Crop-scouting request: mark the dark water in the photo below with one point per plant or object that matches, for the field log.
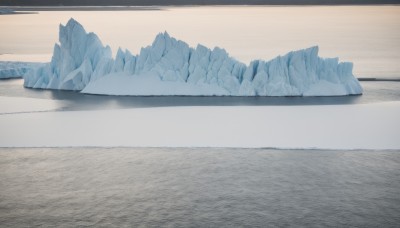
(373, 92)
(199, 187)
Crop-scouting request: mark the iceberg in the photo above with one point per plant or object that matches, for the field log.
(170, 67)
(9, 69)
(78, 58)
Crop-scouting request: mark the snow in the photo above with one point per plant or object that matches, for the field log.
(81, 62)
(12, 105)
(364, 126)
(10, 69)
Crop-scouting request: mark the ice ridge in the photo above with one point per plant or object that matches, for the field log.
(81, 62)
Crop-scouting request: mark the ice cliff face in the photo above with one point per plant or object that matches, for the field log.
(78, 58)
(81, 62)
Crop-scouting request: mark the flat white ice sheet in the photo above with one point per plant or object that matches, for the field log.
(364, 126)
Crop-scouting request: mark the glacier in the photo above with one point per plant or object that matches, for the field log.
(170, 67)
(11, 69)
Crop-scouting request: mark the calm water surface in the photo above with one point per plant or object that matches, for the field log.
(203, 187)
(374, 92)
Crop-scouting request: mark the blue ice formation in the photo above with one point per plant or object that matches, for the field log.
(81, 62)
(79, 58)
(10, 69)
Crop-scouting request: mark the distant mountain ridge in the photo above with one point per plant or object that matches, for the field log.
(187, 2)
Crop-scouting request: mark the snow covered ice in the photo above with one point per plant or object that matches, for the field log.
(305, 127)
(170, 67)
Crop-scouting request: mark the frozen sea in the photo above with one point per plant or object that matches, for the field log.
(193, 186)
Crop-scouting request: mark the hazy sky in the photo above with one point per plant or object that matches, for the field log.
(186, 2)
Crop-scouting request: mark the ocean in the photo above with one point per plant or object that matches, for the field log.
(198, 187)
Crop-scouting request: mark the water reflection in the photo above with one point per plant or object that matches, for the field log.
(84, 101)
(373, 92)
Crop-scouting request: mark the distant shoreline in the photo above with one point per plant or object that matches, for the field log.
(18, 9)
(379, 79)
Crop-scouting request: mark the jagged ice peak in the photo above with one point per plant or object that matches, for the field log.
(170, 67)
